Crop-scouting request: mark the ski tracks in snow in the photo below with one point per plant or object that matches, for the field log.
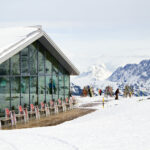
(31, 140)
(9, 145)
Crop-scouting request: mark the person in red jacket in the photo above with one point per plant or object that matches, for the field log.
(100, 92)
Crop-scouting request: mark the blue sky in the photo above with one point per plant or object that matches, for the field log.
(114, 32)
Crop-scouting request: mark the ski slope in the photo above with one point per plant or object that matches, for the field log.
(120, 125)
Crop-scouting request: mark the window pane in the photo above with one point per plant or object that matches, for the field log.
(4, 94)
(66, 85)
(55, 68)
(15, 68)
(15, 92)
(41, 89)
(48, 68)
(48, 88)
(41, 61)
(33, 59)
(25, 91)
(24, 62)
(55, 87)
(61, 86)
(33, 90)
(4, 68)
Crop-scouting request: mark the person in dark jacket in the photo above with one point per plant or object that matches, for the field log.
(50, 86)
(116, 94)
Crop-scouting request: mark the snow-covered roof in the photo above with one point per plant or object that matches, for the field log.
(13, 40)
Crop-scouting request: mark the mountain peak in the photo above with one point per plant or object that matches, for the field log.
(94, 73)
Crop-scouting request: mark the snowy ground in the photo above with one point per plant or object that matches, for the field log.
(120, 125)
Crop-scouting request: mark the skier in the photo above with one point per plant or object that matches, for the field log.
(116, 94)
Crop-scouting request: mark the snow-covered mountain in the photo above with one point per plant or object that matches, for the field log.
(92, 75)
(136, 75)
(132, 72)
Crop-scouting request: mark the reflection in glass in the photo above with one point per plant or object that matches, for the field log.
(66, 77)
(61, 86)
(4, 68)
(15, 69)
(41, 61)
(48, 66)
(24, 62)
(25, 91)
(33, 90)
(41, 89)
(15, 92)
(4, 94)
(33, 59)
(48, 88)
(55, 86)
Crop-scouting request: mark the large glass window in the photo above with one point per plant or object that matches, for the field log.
(4, 94)
(15, 92)
(66, 85)
(33, 90)
(41, 61)
(55, 82)
(4, 68)
(49, 88)
(61, 86)
(48, 66)
(41, 88)
(33, 59)
(24, 61)
(25, 91)
(15, 65)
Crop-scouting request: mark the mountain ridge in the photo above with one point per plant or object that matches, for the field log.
(135, 75)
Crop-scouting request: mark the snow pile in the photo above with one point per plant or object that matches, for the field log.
(122, 124)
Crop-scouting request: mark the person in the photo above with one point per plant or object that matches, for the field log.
(100, 92)
(54, 87)
(84, 91)
(50, 87)
(116, 94)
(89, 90)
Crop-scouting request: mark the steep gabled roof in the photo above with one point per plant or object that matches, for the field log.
(13, 40)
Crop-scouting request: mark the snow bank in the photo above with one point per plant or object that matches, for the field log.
(120, 125)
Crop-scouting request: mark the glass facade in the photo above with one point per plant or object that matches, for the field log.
(31, 76)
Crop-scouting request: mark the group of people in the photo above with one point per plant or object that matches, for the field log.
(128, 91)
(108, 91)
(87, 90)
